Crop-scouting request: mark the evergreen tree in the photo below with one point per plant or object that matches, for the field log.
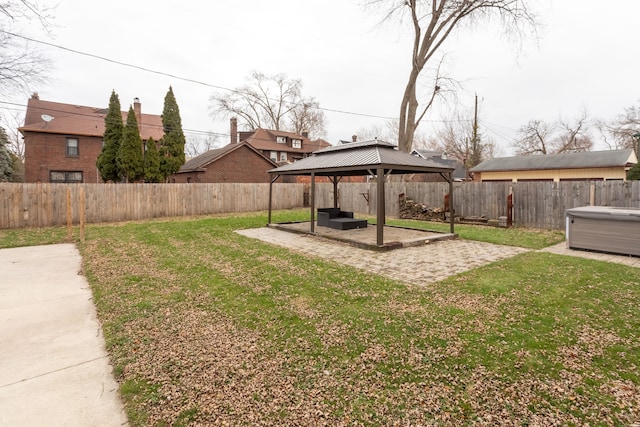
(634, 172)
(152, 162)
(6, 162)
(113, 133)
(172, 143)
(129, 159)
(18, 168)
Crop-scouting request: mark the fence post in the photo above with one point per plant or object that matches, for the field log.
(69, 215)
(82, 213)
(510, 208)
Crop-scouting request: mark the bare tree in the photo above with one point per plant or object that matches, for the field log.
(534, 138)
(200, 144)
(433, 21)
(271, 102)
(620, 132)
(308, 117)
(561, 136)
(11, 123)
(388, 132)
(462, 140)
(574, 136)
(20, 64)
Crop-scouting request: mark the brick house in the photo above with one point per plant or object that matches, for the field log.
(62, 141)
(280, 146)
(232, 163)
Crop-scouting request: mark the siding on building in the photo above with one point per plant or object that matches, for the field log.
(556, 175)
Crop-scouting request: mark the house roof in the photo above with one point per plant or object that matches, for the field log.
(360, 158)
(427, 154)
(460, 172)
(79, 120)
(265, 139)
(199, 163)
(590, 159)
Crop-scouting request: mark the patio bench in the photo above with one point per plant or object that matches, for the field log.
(340, 220)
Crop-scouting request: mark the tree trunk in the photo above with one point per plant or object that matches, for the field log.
(408, 112)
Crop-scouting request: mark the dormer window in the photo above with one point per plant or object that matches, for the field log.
(296, 143)
(281, 139)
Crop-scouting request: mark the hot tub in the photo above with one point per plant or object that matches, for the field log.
(604, 229)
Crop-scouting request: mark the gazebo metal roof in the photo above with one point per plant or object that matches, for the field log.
(360, 158)
(373, 157)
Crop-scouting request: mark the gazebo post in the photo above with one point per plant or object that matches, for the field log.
(270, 195)
(313, 201)
(451, 215)
(335, 191)
(380, 208)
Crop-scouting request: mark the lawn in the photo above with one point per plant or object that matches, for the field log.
(207, 327)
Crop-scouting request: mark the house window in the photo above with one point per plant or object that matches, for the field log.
(65, 176)
(296, 143)
(283, 156)
(273, 156)
(72, 147)
(281, 139)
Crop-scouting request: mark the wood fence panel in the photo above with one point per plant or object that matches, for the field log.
(44, 205)
(536, 204)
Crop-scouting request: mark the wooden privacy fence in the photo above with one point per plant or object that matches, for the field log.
(535, 204)
(44, 205)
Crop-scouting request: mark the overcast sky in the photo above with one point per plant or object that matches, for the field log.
(587, 55)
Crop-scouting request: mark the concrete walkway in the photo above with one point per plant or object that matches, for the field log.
(54, 370)
(418, 265)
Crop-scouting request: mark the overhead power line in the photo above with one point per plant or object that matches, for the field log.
(162, 73)
(86, 116)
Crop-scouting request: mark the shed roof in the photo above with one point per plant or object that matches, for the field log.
(590, 159)
(360, 158)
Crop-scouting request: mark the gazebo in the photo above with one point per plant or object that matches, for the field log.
(367, 158)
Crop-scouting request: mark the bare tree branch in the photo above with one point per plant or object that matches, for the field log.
(433, 21)
(574, 135)
(272, 102)
(456, 138)
(20, 64)
(622, 129)
(11, 123)
(196, 145)
(562, 136)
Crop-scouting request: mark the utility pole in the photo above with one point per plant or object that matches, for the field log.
(475, 122)
(474, 157)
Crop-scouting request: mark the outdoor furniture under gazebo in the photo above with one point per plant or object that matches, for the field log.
(367, 158)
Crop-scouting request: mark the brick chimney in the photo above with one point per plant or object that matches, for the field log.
(305, 134)
(234, 130)
(137, 108)
(354, 138)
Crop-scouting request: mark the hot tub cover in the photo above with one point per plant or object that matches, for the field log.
(605, 212)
